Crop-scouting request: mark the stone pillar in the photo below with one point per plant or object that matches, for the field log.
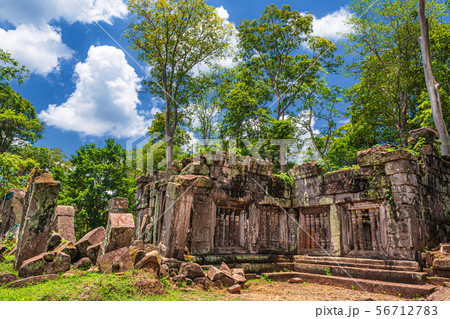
(119, 232)
(180, 223)
(335, 231)
(64, 222)
(38, 216)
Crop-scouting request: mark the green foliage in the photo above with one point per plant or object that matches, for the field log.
(14, 171)
(272, 73)
(173, 37)
(18, 119)
(328, 272)
(97, 174)
(388, 67)
(288, 180)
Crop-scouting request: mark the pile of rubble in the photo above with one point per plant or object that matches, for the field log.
(46, 244)
(205, 276)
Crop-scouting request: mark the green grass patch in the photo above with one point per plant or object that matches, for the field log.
(132, 285)
(7, 265)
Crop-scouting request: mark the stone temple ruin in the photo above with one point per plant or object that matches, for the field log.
(381, 222)
(391, 207)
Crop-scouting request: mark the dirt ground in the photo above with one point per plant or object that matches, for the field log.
(281, 291)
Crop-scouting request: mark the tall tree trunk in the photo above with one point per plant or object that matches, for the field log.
(432, 85)
(169, 153)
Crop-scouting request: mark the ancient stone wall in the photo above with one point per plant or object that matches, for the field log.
(392, 205)
(218, 204)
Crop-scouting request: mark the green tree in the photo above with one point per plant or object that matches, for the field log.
(18, 120)
(14, 171)
(432, 85)
(270, 44)
(97, 174)
(152, 157)
(173, 37)
(388, 67)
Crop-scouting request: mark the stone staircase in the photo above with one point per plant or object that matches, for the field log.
(394, 277)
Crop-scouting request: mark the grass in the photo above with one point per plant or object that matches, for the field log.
(7, 265)
(132, 285)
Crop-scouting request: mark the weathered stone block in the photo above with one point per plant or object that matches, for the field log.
(119, 232)
(68, 248)
(39, 213)
(93, 251)
(117, 205)
(151, 262)
(401, 166)
(442, 263)
(64, 222)
(196, 169)
(115, 261)
(94, 237)
(48, 263)
(191, 270)
(215, 274)
(404, 179)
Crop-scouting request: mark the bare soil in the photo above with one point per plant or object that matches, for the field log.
(281, 291)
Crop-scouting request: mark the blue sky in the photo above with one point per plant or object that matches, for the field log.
(83, 76)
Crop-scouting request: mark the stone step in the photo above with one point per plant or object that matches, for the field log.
(370, 286)
(407, 277)
(404, 265)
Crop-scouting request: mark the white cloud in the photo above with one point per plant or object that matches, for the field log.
(332, 26)
(40, 12)
(222, 13)
(38, 45)
(105, 98)
(39, 49)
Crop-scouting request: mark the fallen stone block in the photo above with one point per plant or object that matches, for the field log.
(224, 267)
(68, 248)
(39, 213)
(31, 280)
(64, 222)
(93, 251)
(235, 289)
(94, 237)
(115, 261)
(215, 274)
(238, 271)
(150, 263)
(55, 241)
(178, 278)
(6, 278)
(203, 281)
(137, 251)
(48, 263)
(239, 279)
(191, 270)
(119, 232)
(164, 271)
